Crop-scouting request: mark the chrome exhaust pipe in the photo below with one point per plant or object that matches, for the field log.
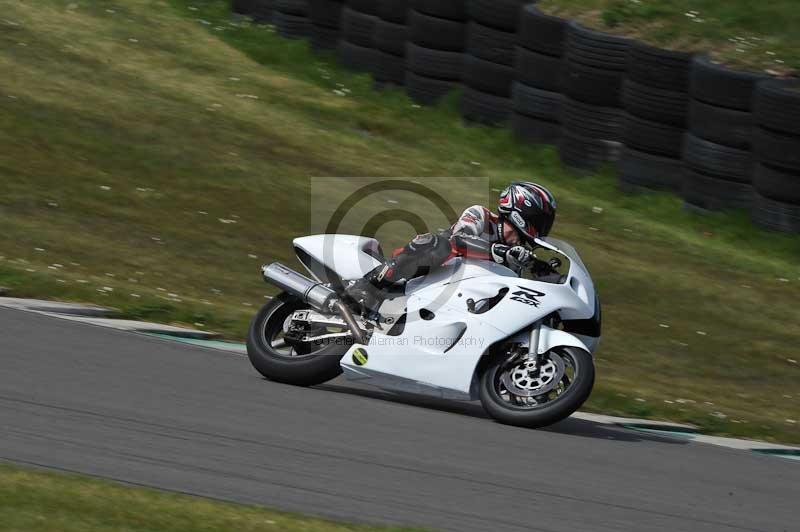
(312, 293)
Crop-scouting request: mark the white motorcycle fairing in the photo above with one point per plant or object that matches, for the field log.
(437, 340)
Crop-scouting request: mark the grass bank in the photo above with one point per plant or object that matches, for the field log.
(156, 153)
(37, 501)
(742, 33)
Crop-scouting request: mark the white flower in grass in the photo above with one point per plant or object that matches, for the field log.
(133, 40)
(52, 268)
(30, 270)
(791, 361)
(105, 187)
(702, 333)
(83, 281)
(251, 256)
(593, 228)
(110, 275)
(170, 294)
(663, 325)
(669, 402)
(161, 289)
(62, 281)
(40, 250)
(202, 212)
(393, 202)
(234, 79)
(198, 324)
(790, 421)
(719, 415)
(136, 295)
(108, 289)
(783, 280)
(597, 210)
(641, 400)
(52, 204)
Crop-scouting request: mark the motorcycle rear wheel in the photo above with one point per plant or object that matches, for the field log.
(571, 391)
(278, 361)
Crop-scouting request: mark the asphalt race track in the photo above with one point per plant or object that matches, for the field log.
(145, 411)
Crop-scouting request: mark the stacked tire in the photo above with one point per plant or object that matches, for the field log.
(291, 18)
(537, 97)
(325, 23)
(356, 49)
(488, 63)
(435, 51)
(592, 115)
(655, 98)
(259, 10)
(391, 34)
(716, 149)
(776, 145)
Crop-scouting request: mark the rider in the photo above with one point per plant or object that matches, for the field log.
(525, 211)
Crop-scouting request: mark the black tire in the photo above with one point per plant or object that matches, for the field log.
(355, 57)
(658, 68)
(639, 171)
(540, 32)
(721, 125)
(652, 137)
(585, 153)
(490, 44)
(500, 14)
(777, 105)
(716, 160)
(395, 11)
(485, 108)
(291, 26)
(776, 215)
(449, 9)
(535, 130)
(777, 149)
(358, 28)
(713, 194)
(326, 13)
(485, 76)
(437, 33)
(435, 64)
(556, 410)
(538, 70)
(390, 69)
(244, 7)
(291, 7)
(593, 85)
(369, 7)
(597, 49)
(428, 91)
(537, 103)
(263, 11)
(658, 105)
(324, 38)
(717, 85)
(391, 38)
(592, 121)
(777, 183)
(303, 370)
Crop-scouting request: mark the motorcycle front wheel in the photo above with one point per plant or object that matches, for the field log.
(535, 393)
(279, 360)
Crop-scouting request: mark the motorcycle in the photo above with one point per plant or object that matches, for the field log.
(472, 329)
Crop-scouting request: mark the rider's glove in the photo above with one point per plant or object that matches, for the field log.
(516, 257)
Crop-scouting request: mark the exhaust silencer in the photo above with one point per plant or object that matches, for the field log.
(311, 292)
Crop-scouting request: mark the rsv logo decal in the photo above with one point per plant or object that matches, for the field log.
(527, 296)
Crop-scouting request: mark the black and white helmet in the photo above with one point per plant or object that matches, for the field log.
(529, 207)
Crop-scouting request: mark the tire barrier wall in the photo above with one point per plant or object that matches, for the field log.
(326, 19)
(720, 138)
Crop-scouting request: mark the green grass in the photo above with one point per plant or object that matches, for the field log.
(745, 34)
(36, 501)
(129, 131)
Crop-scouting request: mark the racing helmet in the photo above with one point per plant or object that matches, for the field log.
(529, 207)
